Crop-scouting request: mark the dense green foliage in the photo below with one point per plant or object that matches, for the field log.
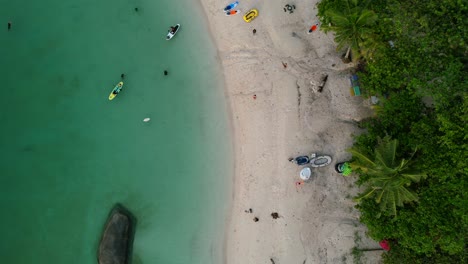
(352, 26)
(386, 177)
(420, 55)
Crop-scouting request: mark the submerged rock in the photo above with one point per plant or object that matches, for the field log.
(117, 239)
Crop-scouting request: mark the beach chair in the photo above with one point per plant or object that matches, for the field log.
(355, 89)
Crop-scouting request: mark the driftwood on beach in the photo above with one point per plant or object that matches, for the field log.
(117, 239)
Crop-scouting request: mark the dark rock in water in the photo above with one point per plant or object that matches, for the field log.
(117, 240)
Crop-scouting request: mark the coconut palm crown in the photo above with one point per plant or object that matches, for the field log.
(386, 177)
(352, 27)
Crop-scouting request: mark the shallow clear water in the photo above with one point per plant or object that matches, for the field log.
(69, 154)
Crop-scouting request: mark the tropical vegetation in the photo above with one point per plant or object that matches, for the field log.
(352, 26)
(385, 176)
(412, 55)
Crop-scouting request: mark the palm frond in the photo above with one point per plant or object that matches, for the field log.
(414, 176)
(362, 156)
(366, 18)
(406, 195)
(387, 151)
(367, 193)
(387, 179)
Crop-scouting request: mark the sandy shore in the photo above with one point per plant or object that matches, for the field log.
(278, 112)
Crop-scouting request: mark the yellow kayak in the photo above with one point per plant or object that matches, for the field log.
(116, 91)
(249, 16)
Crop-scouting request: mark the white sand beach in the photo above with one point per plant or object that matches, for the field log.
(278, 112)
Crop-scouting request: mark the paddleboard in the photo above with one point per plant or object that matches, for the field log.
(115, 91)
(231, 6)
(170, 34)
(232, 12)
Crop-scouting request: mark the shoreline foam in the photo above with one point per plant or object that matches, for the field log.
(277, 112)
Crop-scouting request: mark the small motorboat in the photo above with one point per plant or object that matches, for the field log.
(251, 15)
(301, 160)
(172, 31)
(116, 91)
(314, 160)
(319, 161)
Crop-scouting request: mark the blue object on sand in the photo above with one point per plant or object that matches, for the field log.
(355, 85)
(231, 6)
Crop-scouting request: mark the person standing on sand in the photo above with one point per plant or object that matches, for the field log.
(285, 65)
(254, 31)
(9, 25)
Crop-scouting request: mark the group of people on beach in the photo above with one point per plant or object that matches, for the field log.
(274, 215)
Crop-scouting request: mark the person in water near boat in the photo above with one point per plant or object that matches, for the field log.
(165, 72)
(9, 25)
(122, 76)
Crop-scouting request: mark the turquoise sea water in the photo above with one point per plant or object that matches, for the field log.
(69, 154)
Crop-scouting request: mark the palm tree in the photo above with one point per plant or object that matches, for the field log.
(386, 177)
(352, 27)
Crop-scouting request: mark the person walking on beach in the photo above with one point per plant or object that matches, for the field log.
(285, 65)
(254, 31)
(313, 28)
(298, 185)
(9, 25)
